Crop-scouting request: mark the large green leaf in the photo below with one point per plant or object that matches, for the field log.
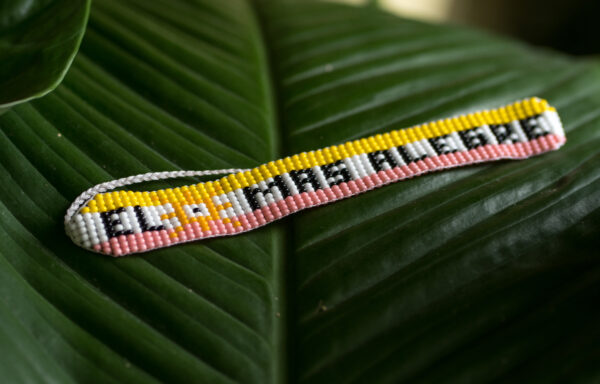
(486, 273)
(38, 42)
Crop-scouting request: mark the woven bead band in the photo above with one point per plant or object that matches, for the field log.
(124, 222)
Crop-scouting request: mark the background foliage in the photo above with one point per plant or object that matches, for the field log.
(38, 41)
(486, 273)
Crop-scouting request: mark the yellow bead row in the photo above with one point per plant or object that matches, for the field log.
(203, 192)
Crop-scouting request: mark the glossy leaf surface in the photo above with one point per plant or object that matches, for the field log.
(485, 273)
(38, 42)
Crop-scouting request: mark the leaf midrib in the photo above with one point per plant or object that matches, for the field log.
(281, 329)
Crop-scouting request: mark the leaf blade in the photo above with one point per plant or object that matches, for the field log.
(40, 40)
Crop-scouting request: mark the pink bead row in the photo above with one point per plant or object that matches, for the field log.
(141, 242)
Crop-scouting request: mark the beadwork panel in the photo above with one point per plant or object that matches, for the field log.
(124, 222)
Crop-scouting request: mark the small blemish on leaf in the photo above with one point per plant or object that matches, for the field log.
(321, 307)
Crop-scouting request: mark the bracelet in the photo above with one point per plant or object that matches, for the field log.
(124, 222)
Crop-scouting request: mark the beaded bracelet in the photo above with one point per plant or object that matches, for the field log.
(124, 222)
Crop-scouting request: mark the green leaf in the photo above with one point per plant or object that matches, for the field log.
(38, 42)
(484, 273)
